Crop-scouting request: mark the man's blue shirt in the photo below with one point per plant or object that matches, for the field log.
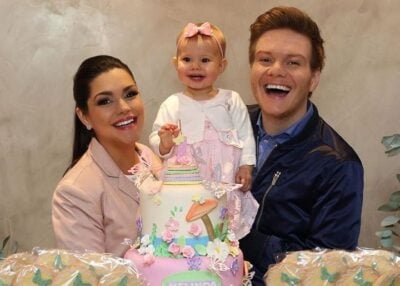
(266, 143)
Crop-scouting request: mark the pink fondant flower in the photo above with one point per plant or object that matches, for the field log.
(148, 259)
(167, 236)
(172, 225)
(188, 251)
(195, 229)
(174, 248)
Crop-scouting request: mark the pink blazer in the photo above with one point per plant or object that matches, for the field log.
(95, 206)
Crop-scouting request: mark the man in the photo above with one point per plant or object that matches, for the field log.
(308, 180)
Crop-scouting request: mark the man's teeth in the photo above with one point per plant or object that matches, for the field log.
(277, 87)
(126, 122)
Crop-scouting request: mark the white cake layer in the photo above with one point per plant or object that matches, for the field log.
(172, 204)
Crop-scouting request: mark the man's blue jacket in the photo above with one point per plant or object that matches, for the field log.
(310, 191)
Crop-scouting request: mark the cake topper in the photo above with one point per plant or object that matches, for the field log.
(183, 155)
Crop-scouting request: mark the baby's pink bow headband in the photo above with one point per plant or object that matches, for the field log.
(205, 29)
(192, 30)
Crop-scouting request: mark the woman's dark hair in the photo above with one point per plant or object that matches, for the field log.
(87, 72)
(293, 19)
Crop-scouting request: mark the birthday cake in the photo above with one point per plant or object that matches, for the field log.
(185, 230)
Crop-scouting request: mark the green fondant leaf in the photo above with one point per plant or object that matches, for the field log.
(58, 262)
(181, 209)
(2, 283)
(328, 277)
(217, 231)
(37, 279)
(181, 241)
(173, 213)
(162, 250)
(224, 233)
(123, 282)
(359, 279)
(200, 249)
(289, 280)
(153, 235)
(78, 281)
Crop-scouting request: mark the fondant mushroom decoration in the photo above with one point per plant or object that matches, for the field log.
(200, 211)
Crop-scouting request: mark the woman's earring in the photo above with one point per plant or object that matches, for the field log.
(88, 127)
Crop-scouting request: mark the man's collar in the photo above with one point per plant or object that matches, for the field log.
(289, 132)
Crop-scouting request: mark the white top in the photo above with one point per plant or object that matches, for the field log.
(226, 111)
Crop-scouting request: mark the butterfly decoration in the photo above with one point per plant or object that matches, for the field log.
(219, 189)
(216, 265)
(234, 267)
(194, 262)
(247, 279)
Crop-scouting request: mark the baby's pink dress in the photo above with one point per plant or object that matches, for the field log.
(219, 162)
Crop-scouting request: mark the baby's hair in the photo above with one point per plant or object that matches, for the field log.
(217, 35)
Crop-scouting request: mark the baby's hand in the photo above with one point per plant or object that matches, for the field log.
(167, 133)
(243, 176)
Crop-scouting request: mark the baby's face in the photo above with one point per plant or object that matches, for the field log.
(199, 63)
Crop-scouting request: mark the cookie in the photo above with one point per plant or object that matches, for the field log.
(391, 278)
(56, 259)
(284, 274)
(341, 257)
(34, 275)
(304, 257)
(16, 261)
(358, 276)
(125, 278)
(7, 277)
(75, 276)
(101, 264)
(326, 273)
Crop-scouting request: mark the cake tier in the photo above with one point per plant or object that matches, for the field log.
(187, 215)
(182, 174)
(169, 271)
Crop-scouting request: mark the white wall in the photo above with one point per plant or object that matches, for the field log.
(43, 42)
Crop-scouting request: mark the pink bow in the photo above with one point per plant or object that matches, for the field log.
(192, 30)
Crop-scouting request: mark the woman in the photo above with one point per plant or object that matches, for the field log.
(95, 205)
